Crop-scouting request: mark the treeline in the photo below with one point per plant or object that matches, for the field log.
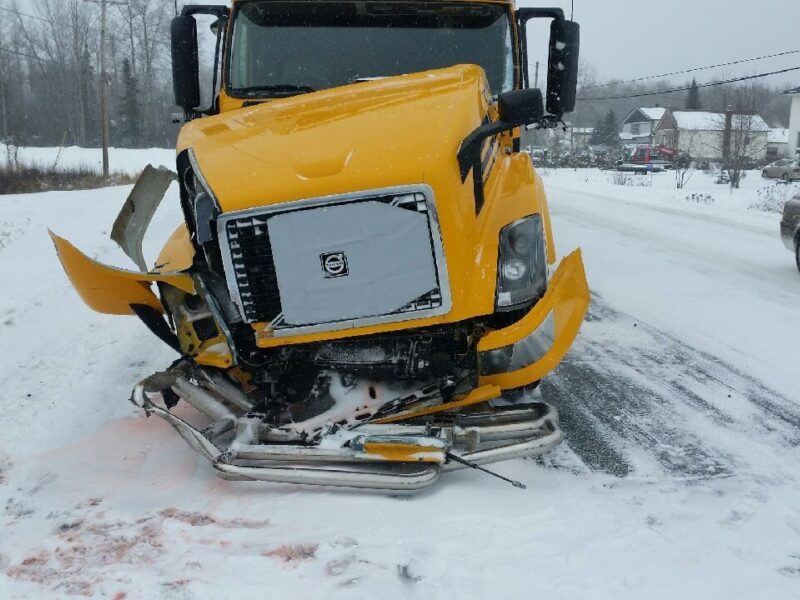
(755, 96)
(49, 73)
(50, 63)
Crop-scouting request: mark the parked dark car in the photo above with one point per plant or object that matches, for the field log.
(790, 227)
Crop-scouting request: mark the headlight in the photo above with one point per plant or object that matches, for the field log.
(522, 265)
(203, 205)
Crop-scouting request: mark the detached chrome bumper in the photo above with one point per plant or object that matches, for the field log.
(510, 432)
(529, 349)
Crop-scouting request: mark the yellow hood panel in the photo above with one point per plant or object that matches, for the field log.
(369, 135)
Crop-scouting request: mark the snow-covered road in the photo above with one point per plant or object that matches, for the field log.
(678, 479)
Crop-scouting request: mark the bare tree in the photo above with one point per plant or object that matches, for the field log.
(744, 134)
(684, 160)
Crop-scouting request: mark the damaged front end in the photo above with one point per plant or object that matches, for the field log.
(371, 339)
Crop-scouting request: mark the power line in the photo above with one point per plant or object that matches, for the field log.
(22, 14)
(686, 88)
(696, 69)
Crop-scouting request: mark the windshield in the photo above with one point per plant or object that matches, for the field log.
(284, 48)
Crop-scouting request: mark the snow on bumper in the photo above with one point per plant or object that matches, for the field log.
(529, 349)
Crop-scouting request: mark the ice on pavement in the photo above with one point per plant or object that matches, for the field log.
(684, 374)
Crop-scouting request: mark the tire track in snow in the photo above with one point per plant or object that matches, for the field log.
(632, 398)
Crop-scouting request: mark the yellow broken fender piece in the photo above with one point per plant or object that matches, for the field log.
(396, 452)
(476, 396)
(111, 290)
(567, 300)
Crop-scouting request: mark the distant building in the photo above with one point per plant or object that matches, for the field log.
(579, 137)
(700, 133)
(794, 122)
(777, 144)
(639, 124)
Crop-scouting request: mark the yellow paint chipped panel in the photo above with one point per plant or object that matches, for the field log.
(476, 396)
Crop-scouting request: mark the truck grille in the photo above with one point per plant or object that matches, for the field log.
(253, 268)
(339, 262)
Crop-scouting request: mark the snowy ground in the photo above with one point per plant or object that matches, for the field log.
(678, 479)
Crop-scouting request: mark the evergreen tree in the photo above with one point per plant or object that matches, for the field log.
(130, 125)
(598, 133)
(610, 129)
(693, 101)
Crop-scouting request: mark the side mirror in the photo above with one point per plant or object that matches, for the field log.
(185, 63)
(562, 71)
(521, 107)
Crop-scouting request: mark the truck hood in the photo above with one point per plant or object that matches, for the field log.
(394, 131)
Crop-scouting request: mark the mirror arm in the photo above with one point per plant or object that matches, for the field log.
(526, 14)
(214, 108)
(218, 10)
(469, 155)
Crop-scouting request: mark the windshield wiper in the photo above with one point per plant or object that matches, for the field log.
(276, 91)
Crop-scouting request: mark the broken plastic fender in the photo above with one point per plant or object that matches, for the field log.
(532, 347)
(111, 290)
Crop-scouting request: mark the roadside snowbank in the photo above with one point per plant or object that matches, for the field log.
(701, 195)
(125, 160)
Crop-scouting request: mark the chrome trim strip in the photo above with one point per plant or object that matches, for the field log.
(436, 240)
(199, 175)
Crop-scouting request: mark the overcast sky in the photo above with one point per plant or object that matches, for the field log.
(634, 38)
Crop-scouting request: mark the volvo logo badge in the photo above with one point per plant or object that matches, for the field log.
(334, 264)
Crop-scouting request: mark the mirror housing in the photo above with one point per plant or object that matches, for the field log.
(185, 63)
(562, 71)
(521, 107)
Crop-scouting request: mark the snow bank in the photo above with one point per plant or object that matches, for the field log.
(754, 203)
(125, 160)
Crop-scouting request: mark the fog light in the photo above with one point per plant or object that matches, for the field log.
(495, 362)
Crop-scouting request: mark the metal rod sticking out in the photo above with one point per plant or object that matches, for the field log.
(477, 467)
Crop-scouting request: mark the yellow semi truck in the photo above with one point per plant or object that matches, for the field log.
(365, 289)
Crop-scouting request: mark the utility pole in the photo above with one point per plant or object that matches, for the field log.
(3, 102)
(104, 126)
(726, 137)
(536, 76)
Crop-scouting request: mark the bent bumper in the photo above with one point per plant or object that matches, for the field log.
(529, 349)
(513, 432)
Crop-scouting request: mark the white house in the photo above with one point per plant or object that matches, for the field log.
(794, 122)
(637, 127)
(700, 133)
(579, 137)
(777, 144)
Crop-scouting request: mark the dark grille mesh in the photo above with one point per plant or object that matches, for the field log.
(254, 269)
